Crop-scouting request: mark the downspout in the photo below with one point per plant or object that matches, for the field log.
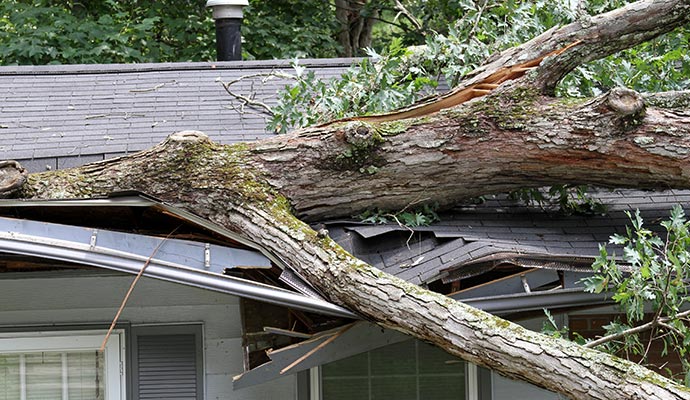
(228, 16)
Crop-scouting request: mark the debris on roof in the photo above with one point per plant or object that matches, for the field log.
(484, 243)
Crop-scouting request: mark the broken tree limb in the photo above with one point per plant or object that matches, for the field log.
(561, 50)
(510, 139)
(218, 183)
(12, 177)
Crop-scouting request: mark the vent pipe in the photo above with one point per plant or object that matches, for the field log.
(228, 17)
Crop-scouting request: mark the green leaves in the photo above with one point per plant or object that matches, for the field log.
(569, 199)
(379, 84)
(290, 28)
(650, 282)
(423, 215)
(53, 32)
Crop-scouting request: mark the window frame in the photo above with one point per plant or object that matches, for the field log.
(311, 389)
(81, 340)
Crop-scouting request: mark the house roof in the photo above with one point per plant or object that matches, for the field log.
(473, 239)
(61, 116)
(499, 255)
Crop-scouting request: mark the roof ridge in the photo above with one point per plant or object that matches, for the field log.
(79, 69)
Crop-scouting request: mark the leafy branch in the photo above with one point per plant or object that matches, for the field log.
(423, 215)
(569, 199)
(653, 280)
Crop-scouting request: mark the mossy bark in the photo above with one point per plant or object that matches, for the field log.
(512, 138)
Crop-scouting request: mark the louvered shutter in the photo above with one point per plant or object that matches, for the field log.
(167, 363)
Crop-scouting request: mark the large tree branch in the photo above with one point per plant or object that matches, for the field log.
(217, 183)
(610, 33)
(558, 51)
(509, 139)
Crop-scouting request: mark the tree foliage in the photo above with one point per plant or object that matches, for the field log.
(65, 32)
(378, 83)
(651, 279)
(401, 75)
(288, 29)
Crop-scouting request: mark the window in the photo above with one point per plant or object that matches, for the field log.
(61, 365)
(409, 370)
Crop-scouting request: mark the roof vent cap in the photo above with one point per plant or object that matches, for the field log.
(227, 8)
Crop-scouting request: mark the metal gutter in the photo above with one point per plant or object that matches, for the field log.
(50, 241)
(137, 199)
(560, 298)
(172, 252)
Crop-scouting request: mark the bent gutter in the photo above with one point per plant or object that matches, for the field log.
(57, 248)
(138, 199)
(518, 302)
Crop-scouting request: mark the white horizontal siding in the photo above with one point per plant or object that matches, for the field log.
(95, 299)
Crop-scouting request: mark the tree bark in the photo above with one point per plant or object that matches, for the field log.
(509, 136)
(355, 28)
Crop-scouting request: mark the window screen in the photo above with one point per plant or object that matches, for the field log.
(409, 370)
(74, 375)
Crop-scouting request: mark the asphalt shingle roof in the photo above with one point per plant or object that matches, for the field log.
(62, 116)
(502, 229)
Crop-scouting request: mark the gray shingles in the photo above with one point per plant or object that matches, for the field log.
(462, 253)
(40, 164)
(96, 108)
(522, 230)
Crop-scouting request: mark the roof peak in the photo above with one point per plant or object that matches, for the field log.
(76, 69)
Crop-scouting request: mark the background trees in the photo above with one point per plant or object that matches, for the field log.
(458, 34)
(70, 32)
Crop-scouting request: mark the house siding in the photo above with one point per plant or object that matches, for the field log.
(80, 300)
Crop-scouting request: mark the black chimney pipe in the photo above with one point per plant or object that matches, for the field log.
(228, 17)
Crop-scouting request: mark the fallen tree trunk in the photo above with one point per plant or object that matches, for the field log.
(510, 139)
(508, 133)
(214, 181)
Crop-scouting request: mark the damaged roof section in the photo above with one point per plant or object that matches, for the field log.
(133, 233)
(130, 231)
(480, 243)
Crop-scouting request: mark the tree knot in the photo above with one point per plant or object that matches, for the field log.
(188, 136)
(360, 134)
(626, 102)
(12, 177)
